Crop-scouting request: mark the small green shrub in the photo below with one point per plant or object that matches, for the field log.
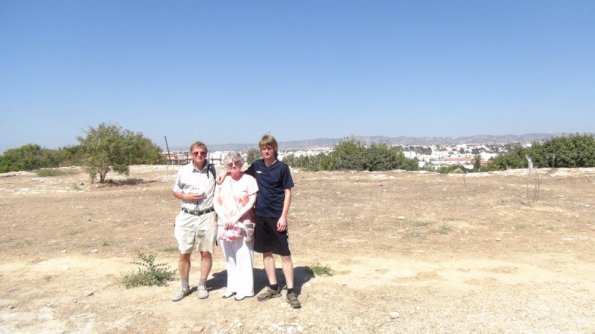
(420, 223)
(443, 229)
(412, 235)
(149, 273)
(51, 172)
(318, 269)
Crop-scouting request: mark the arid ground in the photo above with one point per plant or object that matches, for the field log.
(411, 252)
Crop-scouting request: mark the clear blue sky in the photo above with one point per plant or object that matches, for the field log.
(229, 71)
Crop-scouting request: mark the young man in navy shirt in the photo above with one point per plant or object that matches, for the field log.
(271, 209)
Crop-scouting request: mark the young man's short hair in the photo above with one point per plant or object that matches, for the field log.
(268, 140)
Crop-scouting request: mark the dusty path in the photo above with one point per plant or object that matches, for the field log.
(411, 253)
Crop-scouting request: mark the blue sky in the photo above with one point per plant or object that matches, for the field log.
(229, 71)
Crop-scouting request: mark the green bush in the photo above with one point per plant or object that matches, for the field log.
(318, 269)
(348, 155)
(26, 157)
(453, 169)
(149, 273)
(517, 158)
(352, 155)
(569, 151)
(33, 156)
(560, 152)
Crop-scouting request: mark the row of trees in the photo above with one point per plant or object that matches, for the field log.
(568, 151)
(33, 156)
(352, 155)
(110, 148)
(104, 148)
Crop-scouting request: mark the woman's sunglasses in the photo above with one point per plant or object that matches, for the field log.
(236, 163)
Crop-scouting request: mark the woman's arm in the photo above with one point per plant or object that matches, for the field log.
(247, 207)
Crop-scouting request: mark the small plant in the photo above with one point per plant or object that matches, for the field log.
(443, 229)
(412, 235)
(420, 223)
(50, 172)
(149, 273)
(533, 183)
(74, 232)
(318, 269)
(110, 241)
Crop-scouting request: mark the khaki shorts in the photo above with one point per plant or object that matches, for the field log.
(198, 232)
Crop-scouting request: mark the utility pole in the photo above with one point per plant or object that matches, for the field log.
(167, 147)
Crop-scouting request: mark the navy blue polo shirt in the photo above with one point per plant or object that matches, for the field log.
(272, 182)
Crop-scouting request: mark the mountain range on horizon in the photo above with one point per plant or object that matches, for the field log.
(401, 140)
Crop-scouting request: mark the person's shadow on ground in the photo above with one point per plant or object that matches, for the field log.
(301, 275)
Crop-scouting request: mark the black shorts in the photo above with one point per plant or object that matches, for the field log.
(268, 239)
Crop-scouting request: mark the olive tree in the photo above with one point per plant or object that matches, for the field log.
(110, 148)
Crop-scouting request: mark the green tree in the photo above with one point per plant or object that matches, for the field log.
(348, 155)
(380, 157)
(513, 159)
(110, 148)
(477, 163)
(27, 157)
(405, 163)
(253, 155)
(352, 155)
(70, 155)
(146, 152)
(319, 162)
(567, 151)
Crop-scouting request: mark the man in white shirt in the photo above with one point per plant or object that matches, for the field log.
(195, 225)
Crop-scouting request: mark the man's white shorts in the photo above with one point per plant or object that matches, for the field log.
(198, 232)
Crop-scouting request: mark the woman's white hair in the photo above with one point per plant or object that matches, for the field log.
(234, 156)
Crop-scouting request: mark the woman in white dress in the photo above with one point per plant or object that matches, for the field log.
(233, 202)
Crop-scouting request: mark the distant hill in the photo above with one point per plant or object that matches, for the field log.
(402, 140)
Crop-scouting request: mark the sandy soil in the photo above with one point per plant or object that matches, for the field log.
(411, 252)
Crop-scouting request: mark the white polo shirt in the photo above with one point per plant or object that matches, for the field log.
(190, 180)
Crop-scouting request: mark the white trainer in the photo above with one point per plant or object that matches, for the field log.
(180, 295)
(202, 293)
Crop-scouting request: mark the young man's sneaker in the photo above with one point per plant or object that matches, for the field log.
(180, 295)
(202, 293)
(293, 301)
(268, 294)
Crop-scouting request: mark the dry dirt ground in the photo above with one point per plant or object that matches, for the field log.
(411, 252)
